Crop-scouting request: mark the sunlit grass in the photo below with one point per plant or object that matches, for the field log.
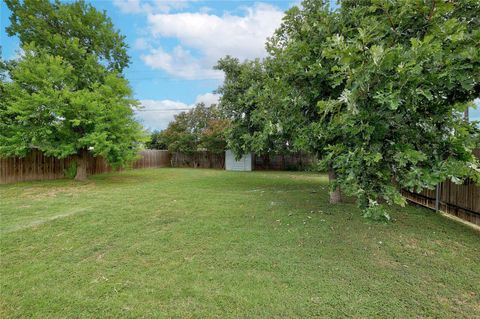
(182, 243)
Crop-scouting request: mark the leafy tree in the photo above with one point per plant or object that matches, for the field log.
(67, 94)
(252, 99)
(3, 67)
(201, 127)
(156, 141)
(213, 138)
(379, 88)
(178, 136)
(405, 81)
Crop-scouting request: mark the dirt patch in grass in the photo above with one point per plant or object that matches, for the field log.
(41, 193)
(383, 260)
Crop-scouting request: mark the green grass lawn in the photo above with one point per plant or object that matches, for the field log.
(185, 243)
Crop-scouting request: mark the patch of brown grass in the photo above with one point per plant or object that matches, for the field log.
(40, 193)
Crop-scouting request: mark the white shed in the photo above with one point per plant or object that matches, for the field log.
(245, 163)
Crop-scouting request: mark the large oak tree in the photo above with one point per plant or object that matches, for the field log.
(379, 88)
(66, 95)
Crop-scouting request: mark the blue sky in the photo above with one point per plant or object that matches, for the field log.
(174, 45)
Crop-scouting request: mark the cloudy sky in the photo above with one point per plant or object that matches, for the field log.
(175, 44)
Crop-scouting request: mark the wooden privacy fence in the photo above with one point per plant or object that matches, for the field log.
(200, 159)
(204, 159)
(294, 161)
(36, 166)
(152, 158)
(461, 200)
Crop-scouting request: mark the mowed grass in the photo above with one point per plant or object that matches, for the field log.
(185, 243)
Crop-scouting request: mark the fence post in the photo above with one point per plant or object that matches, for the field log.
(437, 197)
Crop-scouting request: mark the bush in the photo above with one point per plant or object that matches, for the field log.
(71, 170)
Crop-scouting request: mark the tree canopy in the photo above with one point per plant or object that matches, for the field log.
(76, 31)
(66, 95)
(375, 88)
(253, 97)
(201, 128)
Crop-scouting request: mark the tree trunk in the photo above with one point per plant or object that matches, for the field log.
(466, 115)
(336, 195)
(81, 166)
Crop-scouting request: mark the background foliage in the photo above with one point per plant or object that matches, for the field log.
(202, 128)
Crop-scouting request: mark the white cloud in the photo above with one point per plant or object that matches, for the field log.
(208, 98)
(180, 63)
(156, 114)
(129, 6)
(141, 44)
(212, 36)
(150, 6)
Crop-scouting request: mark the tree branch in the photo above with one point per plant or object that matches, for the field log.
(432, 10)
(390, 20)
